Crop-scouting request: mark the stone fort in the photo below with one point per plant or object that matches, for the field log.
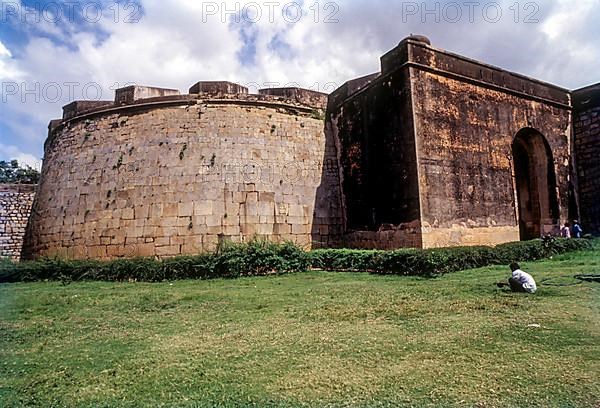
(435, 150)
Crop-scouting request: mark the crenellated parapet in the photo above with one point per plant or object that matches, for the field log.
(135, 96)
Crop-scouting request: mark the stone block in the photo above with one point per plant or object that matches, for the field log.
(186, 209)
(266, 209)
(248, 230)
(77, 108)
(162, 241)
(170, 221)
(217, 88)
(203, 208)
(185, 222)
(264, 229)
(210, 243)
(266, 197)
(170, 210)
(296, 210)
(232, 230)
(193, 248)
(282, 229)
(300, 229)
(266, 219)
(142, 211)
(249, 209)
(167, 251)
(128, 214)
(134, 93)
(146, 250)
(213, 221)
(282, 209)
(115, 251)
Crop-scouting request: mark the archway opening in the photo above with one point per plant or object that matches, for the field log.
(535, 182)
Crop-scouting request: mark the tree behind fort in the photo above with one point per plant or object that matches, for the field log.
(12, 173)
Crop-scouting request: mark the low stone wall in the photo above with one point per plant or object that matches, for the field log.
(15, 207)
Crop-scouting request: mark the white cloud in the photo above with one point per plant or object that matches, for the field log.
(4, 52)
(8, 69)
(568, 15)
(8, 152)
(175, 45)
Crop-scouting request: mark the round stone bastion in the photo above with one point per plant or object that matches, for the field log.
(157, 174)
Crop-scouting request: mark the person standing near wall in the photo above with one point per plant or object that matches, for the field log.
(577, 231)
(565, 231)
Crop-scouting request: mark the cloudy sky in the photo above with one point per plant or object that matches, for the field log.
(54, 52)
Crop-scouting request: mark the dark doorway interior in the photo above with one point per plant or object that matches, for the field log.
(535, 183)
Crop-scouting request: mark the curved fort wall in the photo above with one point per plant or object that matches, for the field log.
(162, 174)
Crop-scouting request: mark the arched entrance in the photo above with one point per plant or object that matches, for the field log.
(535, 180)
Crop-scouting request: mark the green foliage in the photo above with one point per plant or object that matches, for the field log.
(256, 258)
(12, 173)
(318, 114)
(8, 271)
(432, 262)
(261, 258)
(349, 260)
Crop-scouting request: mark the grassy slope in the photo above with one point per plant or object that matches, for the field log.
(315, 339)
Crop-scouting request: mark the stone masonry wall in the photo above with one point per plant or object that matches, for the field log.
(179, 178)
(467, 115)
(465, 135)
(426, 150)
(15, 208)
(377, 154)
(587, 149)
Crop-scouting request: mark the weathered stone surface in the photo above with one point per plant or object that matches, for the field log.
(436, 150)
(586, 103)
(130, 94)
(429, 142)
(465, 134)
(304, 96)
(171, 180)
(15, 207)
(218, 88)
(77, 108)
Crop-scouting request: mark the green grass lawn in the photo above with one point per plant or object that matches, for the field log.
(313, 339)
